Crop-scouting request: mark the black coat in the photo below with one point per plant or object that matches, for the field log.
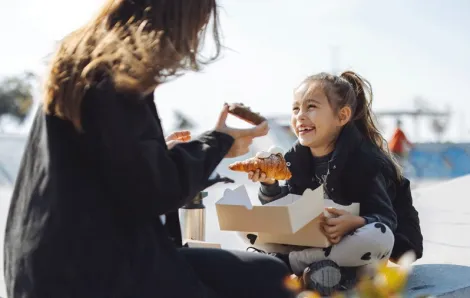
(358, 173)
(84, 216)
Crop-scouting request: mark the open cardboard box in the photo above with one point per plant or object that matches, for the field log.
(292, 219)
(201, 244)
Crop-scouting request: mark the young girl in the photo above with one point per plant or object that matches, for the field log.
(340, 147)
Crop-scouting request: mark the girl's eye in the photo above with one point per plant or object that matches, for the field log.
(295, 109)
(311, 106)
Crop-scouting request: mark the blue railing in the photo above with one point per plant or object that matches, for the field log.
(425, 161)
(429, 160)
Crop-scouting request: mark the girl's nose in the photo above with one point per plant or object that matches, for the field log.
(301, 115)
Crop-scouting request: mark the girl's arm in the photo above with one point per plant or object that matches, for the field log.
(376, 205)
(271, 192)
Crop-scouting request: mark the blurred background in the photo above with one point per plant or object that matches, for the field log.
(414, 53)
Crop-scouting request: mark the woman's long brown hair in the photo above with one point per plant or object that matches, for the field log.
(137, 43)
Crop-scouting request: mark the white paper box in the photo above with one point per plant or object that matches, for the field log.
(292, 219)
(202, 244)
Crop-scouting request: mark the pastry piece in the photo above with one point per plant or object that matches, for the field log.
(245, 113)
(272, 163)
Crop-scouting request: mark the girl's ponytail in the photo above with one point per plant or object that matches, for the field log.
(363, 116)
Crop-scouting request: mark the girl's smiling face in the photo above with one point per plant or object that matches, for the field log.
(314, 121)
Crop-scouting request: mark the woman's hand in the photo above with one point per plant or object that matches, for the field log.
(343, 222)
(243, 137)
(259, 176)
(177, 137)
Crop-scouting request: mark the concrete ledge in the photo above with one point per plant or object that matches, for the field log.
(449, 281)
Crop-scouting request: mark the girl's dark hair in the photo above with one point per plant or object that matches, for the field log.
(137, 43)
(350, 89)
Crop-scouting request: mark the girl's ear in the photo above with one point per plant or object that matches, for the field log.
(344, 115)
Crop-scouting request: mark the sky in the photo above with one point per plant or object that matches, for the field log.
(406, 49)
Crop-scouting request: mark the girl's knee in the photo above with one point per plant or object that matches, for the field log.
(377, 230)
(376, 238)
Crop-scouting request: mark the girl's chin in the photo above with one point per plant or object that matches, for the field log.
(305, 142)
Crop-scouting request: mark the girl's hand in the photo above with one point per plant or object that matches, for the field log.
(177, 137)
(259, 176)
(323, 225)
(243, 137)
(343, 223)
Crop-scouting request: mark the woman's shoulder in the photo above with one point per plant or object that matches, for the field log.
(103, 92)
(103, 86)
(103, 103)
(100, 88)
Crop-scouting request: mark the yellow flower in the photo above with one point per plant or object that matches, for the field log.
(293, 283)
(308, 294)
(388, 281)
(385, 282)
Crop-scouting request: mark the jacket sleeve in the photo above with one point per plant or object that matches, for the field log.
(142, 175)
(271, 192)
(376, 205)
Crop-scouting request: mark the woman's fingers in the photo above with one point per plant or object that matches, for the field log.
(184, 136)
(254, 132)
(221, 125)
(171, 144)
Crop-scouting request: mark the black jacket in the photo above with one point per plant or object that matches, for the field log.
(84, 216)
(358, 173)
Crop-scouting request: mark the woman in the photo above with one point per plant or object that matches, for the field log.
(97, 174)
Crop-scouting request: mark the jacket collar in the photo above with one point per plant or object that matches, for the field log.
(348, 141)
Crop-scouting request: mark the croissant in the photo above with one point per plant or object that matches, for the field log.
(274, 166)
